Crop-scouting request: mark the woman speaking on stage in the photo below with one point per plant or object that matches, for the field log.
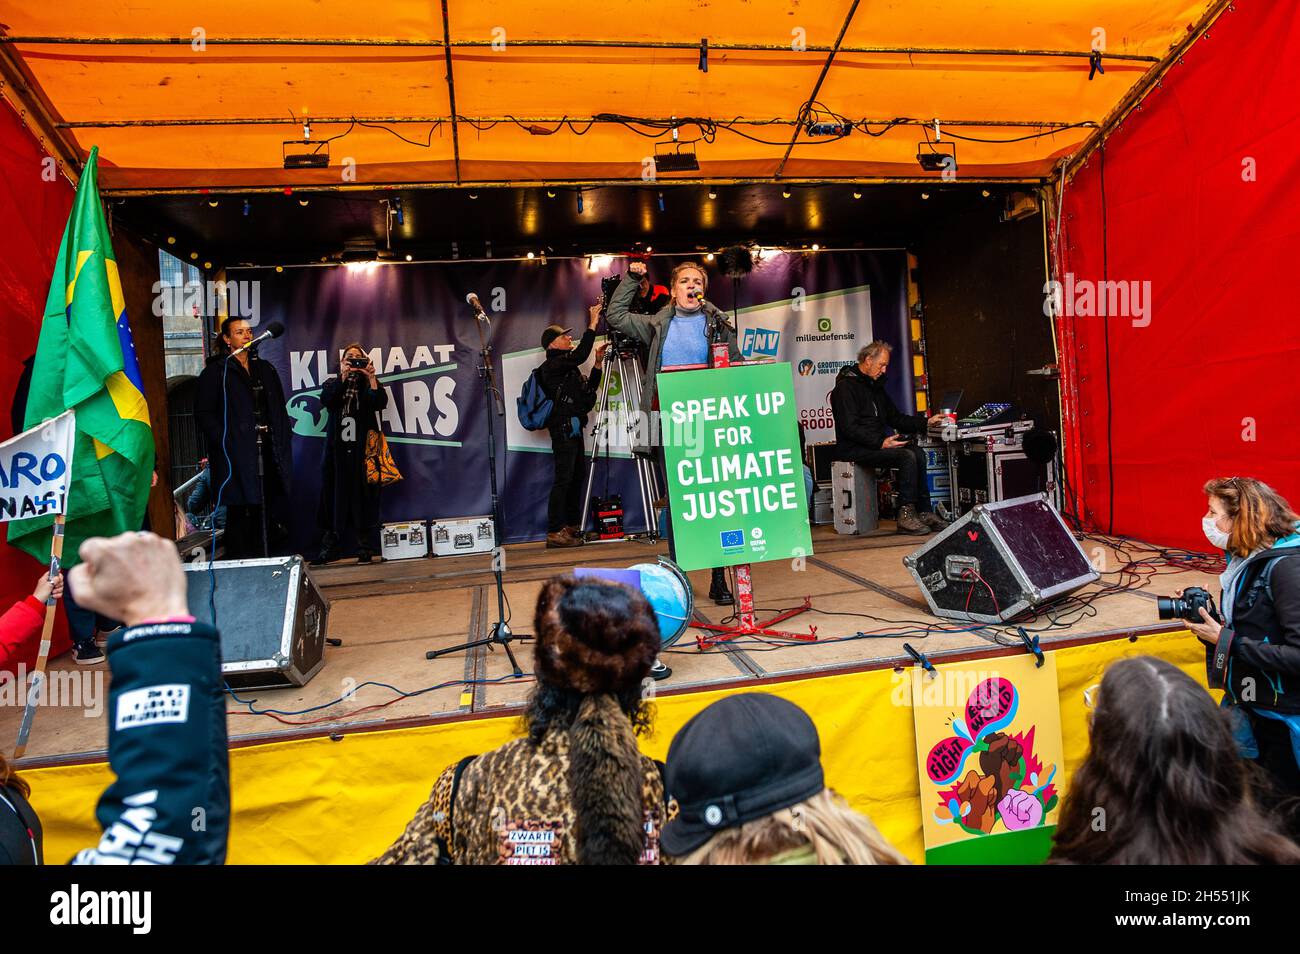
(349, 503)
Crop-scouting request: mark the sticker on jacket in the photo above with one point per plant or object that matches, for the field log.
(531, 842)
(153, 705)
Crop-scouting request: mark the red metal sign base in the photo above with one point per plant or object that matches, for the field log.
(747, 625)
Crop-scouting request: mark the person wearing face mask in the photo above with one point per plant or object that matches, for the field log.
(1256, 648)
(864, 414)
(678, 334)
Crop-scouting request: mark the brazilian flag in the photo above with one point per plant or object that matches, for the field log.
(86, 361)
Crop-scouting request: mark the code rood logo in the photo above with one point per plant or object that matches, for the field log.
(103, 907)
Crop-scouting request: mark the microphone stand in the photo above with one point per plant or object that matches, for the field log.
(259, 428)
(500, 633)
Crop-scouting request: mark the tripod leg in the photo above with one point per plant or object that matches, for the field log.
(602, 434)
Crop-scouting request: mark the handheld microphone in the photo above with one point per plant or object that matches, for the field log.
(472, 300)
(273, 330)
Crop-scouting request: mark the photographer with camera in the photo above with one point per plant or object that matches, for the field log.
(1253, 645)
(348, 500)
(574, 396)
(680, 333)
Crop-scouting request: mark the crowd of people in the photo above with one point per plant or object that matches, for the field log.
(1173, 777)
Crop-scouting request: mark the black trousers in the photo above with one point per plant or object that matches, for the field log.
(1281, 797)
(242, 539)
(565, 506)
(910, 461)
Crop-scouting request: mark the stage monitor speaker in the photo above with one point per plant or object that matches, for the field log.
(999, 560)
(271, 616)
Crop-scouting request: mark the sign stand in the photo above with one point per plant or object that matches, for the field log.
(38, 674)
(747, 625)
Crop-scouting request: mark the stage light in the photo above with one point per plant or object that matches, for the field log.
(194, 256)
(207, 266)
(708, 257)
(925, 195)
(212, 203)
(171, 240)
(303, 202)
(985, 193)
(597, 263)
(247, 208)
(857, 195)
(472, 195)
(816, 247)
(712, 194)
(395, 208)
(785, 193)
(661, 201)
(649, 249)
(682, 158)
(550, 194)
(933, 157)
(531, 256)
(580, 202)
(279, 268)
(355, 268)
(408, 256)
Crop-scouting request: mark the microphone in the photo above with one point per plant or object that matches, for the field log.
(472, 300)
(273, 330)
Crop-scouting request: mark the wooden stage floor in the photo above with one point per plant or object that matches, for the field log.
(389, 614)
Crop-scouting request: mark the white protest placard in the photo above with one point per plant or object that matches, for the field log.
(36, 469)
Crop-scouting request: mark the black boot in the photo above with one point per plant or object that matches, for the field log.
(718, 591)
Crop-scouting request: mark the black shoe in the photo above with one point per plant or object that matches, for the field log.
(326, 556)
(718, 591)
(88, 654)
(659, 671)
(365, 556)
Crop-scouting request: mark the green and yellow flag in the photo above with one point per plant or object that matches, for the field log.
(86, 361)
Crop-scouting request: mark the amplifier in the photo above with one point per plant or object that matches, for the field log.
(999, 560)
(271, 616)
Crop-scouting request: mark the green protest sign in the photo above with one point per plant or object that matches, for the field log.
(735, 478)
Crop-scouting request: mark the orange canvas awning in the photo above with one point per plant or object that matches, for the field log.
(203, 95)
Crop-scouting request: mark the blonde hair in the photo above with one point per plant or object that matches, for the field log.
(837, 834)
(704, 276)
(1260, 515)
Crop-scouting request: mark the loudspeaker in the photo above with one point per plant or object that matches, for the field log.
(999, 560)
(271, 616)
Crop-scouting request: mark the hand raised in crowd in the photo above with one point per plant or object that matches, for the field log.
(593, 316)
(134, 577)
(636, 268)
(44, 587)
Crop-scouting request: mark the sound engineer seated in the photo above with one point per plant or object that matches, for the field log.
(864, 415)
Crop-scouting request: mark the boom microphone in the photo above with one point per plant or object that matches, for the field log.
(273, 330)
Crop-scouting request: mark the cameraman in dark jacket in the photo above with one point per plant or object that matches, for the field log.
(1255, 654)
(574, 395)
(864, 415)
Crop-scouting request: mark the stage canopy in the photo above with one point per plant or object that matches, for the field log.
(204, 94)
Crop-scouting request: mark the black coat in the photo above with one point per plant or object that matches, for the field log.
(865, 414)
(1265, 645)
(344, 489)
(241, 436)
(562, 380)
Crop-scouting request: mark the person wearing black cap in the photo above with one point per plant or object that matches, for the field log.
(745, 786)
(574, 395)
(575, 790)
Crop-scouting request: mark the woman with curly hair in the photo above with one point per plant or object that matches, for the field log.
(575, 789)
(1163, 783)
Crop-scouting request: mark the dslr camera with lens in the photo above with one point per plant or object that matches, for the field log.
(1188, 606)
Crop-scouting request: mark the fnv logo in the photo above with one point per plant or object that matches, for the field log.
(760, 341)
(77, 907)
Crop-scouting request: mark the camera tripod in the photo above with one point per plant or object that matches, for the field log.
(627, 365)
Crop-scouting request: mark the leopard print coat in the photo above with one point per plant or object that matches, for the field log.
(513, 806)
